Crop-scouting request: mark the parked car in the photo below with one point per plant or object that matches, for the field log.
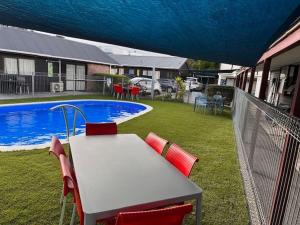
(191, 83)
(146, 85)
(168, 85)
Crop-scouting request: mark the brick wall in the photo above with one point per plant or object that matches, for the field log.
(96, 68)
(93, 86)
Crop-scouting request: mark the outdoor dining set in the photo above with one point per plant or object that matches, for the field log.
(213, 104)
(121, 91)
(121, 179)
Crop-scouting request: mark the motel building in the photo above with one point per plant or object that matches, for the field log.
(276, 77)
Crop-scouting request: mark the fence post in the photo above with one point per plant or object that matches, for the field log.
(32, 84)
(104, 79)
(74, 84)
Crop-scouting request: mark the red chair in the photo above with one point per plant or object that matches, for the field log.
(181, 159)
(69, 179)
(56, 148)
(100, 128)
(134, 92)
(167, 216)
(156, 142)
(118, 90)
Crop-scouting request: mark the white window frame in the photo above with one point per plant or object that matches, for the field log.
(26, 67)
(10, 65)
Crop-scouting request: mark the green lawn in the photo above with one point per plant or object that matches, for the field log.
(30, 182)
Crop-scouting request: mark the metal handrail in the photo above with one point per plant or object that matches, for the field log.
(63, 107)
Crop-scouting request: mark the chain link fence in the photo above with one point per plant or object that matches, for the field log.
(270, 145)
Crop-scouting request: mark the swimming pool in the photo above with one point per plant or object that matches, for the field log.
(31, 125)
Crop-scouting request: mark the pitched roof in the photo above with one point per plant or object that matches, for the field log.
(162, 62)
(33, 43)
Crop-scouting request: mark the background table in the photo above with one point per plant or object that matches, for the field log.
(121, 173)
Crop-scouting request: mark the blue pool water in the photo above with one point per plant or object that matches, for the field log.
(32, 124)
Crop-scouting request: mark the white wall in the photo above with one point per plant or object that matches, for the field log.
(225, 66)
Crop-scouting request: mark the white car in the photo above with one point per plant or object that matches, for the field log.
(192, 83)
(146, 85)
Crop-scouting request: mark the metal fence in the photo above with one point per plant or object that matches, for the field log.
(12, 84)
(269, 141)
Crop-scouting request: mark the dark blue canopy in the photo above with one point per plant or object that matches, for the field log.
(232, 31)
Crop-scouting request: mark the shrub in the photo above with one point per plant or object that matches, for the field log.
(180, 88)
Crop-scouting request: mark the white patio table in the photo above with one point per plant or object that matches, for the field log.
(121, 172)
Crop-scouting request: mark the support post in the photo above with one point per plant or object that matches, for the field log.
(237, 80)
(245, 80)
(32, 84)
(152, 83)
(252, 73)
(264, 79)
(295, 108)
(59, 70)
(241, 80)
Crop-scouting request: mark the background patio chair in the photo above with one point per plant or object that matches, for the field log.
(118, 91)
(219, 102)
(134, 92)
(201, 102)
(100, 128)
(181, 159)
(156, 142)
(167, 216)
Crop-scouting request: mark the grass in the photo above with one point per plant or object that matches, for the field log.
(30, 181)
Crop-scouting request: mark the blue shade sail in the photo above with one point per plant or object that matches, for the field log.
(232, 31)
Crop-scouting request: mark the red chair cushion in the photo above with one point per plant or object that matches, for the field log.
(181, 159)
(101, 128)
(156, 142)
(167, 216)
(56, 148)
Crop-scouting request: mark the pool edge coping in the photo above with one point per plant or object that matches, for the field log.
(64, 141)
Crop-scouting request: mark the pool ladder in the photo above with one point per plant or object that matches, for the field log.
(64, 108)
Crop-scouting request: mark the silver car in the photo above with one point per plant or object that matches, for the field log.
(146, 85)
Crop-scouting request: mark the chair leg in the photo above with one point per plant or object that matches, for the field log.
(61, 196)
(62, 214)
(73, 214)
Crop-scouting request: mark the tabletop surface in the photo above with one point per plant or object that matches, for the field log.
(120, 171)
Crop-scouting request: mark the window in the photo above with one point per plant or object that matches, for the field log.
(131, 71)
(145, 72)
(114, 70)
(10, 66)
(121, 71)
(50, 69)
(26, 67)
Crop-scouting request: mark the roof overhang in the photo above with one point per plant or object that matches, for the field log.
(288, 42)
(52, 56)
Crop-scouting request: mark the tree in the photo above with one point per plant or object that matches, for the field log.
(202, 65)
